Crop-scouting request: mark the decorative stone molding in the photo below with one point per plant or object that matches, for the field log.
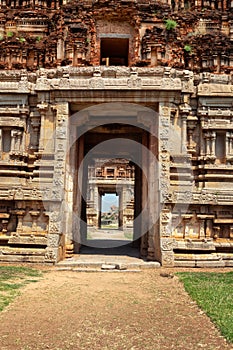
(168, 244)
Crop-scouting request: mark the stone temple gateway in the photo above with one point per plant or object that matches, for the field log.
(145, 81)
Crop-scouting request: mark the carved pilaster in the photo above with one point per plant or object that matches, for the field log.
(213, 141)
(24, 113)
(34, 214)
(210, 138)
(0, 141)
(164, 151)
(35, 123)
(43, 108)
(186, 218)
(184, 113)
(13, 140)
(229, 147)
(20, 214)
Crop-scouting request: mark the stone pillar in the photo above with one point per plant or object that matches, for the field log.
(14, 134)
(154, 252)
(212, 143)
(202, 229)
(35, 123)
(229, 145)
(191, 124)
(207, 143)
(91, 193)
(0, 141)
(34, 214)
(24, 113)
(18, 140)
(183, 133)
(20, 214)
(166, 240)
(43, 108)
(184, 113)
(55, 245)
(145, 216)
(186, 219)
(60, 49)
(123, 207)
(58, 228)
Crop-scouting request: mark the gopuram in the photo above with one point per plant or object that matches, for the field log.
(142, 85)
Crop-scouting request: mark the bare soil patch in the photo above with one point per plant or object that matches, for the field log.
(107, 311)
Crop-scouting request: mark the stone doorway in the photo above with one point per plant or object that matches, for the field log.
(135, 148)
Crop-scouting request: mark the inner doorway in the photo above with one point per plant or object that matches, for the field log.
(110, 199)
(112, 171)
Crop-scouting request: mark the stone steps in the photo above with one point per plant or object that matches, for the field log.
(80, 269)
(77, 266)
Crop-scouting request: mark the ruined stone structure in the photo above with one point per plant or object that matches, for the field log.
(155, 75)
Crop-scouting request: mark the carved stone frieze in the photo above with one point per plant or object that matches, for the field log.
(25, 193)
(27, 240)
(100, 82)
(215, 90)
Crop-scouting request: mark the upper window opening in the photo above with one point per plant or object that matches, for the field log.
(114, 51)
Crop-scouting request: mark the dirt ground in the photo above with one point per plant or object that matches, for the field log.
(107, 311)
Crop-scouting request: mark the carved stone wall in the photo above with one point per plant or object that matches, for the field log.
(179, 65)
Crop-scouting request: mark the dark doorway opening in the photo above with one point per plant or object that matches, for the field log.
(112, 171)
(114, 51)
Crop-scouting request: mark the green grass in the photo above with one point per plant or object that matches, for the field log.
(12, 278)
(128, 235)
(213, 292)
